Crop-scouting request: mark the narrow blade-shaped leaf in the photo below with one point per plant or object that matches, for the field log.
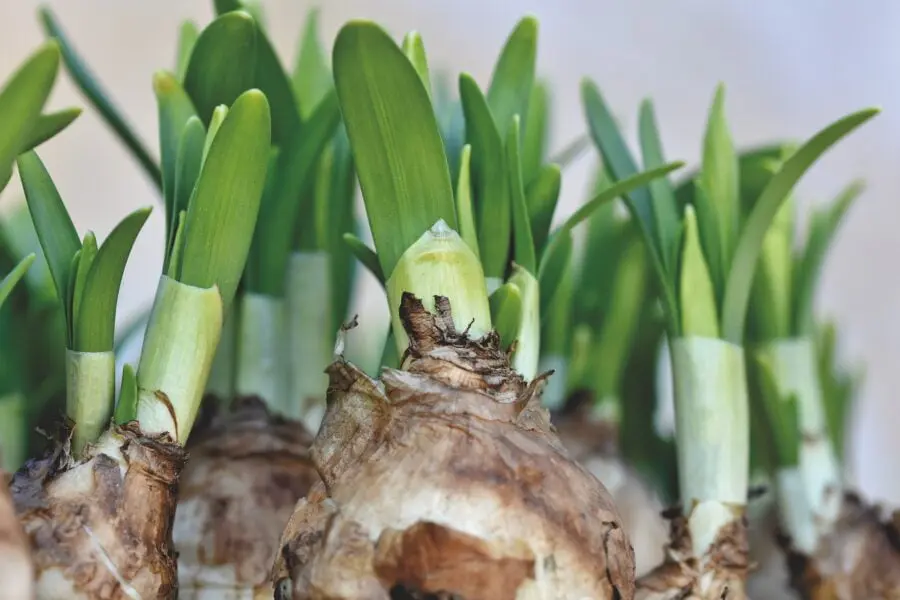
(553, 266)
(126, 409)
(507, 312)
(85, 262)
(54, 226)
(464, 209)
(665, 212)
(13, 277)
(365, 255)
(223, 63)
(414, 49)
(397, 147)
(535, 131)
(223, 211)
(189, 158)
(699, 315)
(822, 231)
(513, 75)
(21, 99)
(280, 212)
(174, 109)
(524, 243)
(47, 126)
(96, 95)
(273, 80)
(312, 76)
(490, 182)
(541, 197)
(740, 279)
(95, 321)
(188, 34)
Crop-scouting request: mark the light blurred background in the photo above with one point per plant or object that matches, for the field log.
(789, 67)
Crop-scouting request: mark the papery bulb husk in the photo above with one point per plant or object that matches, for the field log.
(101, 527)
(594, 443)
(446, 480)
(720, 574)
(247, 469)
(858, 560)
(16, 568)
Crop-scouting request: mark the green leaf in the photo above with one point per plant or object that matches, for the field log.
(273, 80)
(507, 312)
(21, 99)
(396, 144)
(188, 34)
(720, 183)
(312, 76)
(175, 109)
(491, 185)
(464, 209)
(553, 266)
(524, 243)
(281, 210)
(13, 277)
(699, 316)
(218, 117)
(85, 262)
(534, 132)
(513, 75)
(189, 158)
(97, 96)
(541, 197)
(96, 319)
(665, 213)
(223, 211)
(126, 409)
(824, 226)
(67, 303)
(620, 164)
(344, 217)
(782, 414)
(365, 255)
(226, 6)
(48, 126)
(223, 63)
(740, 278)
(172, 269)
(414, 49)
(54, 227)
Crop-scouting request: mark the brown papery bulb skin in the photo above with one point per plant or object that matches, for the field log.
(858, 560)
(16, 568)
(101, 528)
(446, 480)
(720, 574)
(593, 442)
(247, 469)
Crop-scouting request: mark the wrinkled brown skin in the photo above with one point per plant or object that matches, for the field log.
(102, 525)
(718, 575)
(16, 568)
(446, 480)
(594, 444)
(859, 560)
(247, 469)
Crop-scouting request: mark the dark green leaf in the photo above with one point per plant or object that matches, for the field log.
(414, 49)
(21, 99)
(274, 82)
(365, 255)
(513, 75)
(68, 305)
(541, 197)
(553, 266)
(507, 312)
(85, 263)
(174, 109)
(54, 227)
(96, 95)
(96, 319)
(740, 278)
(312, 77)
(490, 183)
(48, 126)
(665, 213)
(396, 144)
(524, 244)
(534, 133)
(126, 409)
(222, 212)
(281, 210)
(188, 34)
(223, 63)
(13, 277)
(822, 232)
